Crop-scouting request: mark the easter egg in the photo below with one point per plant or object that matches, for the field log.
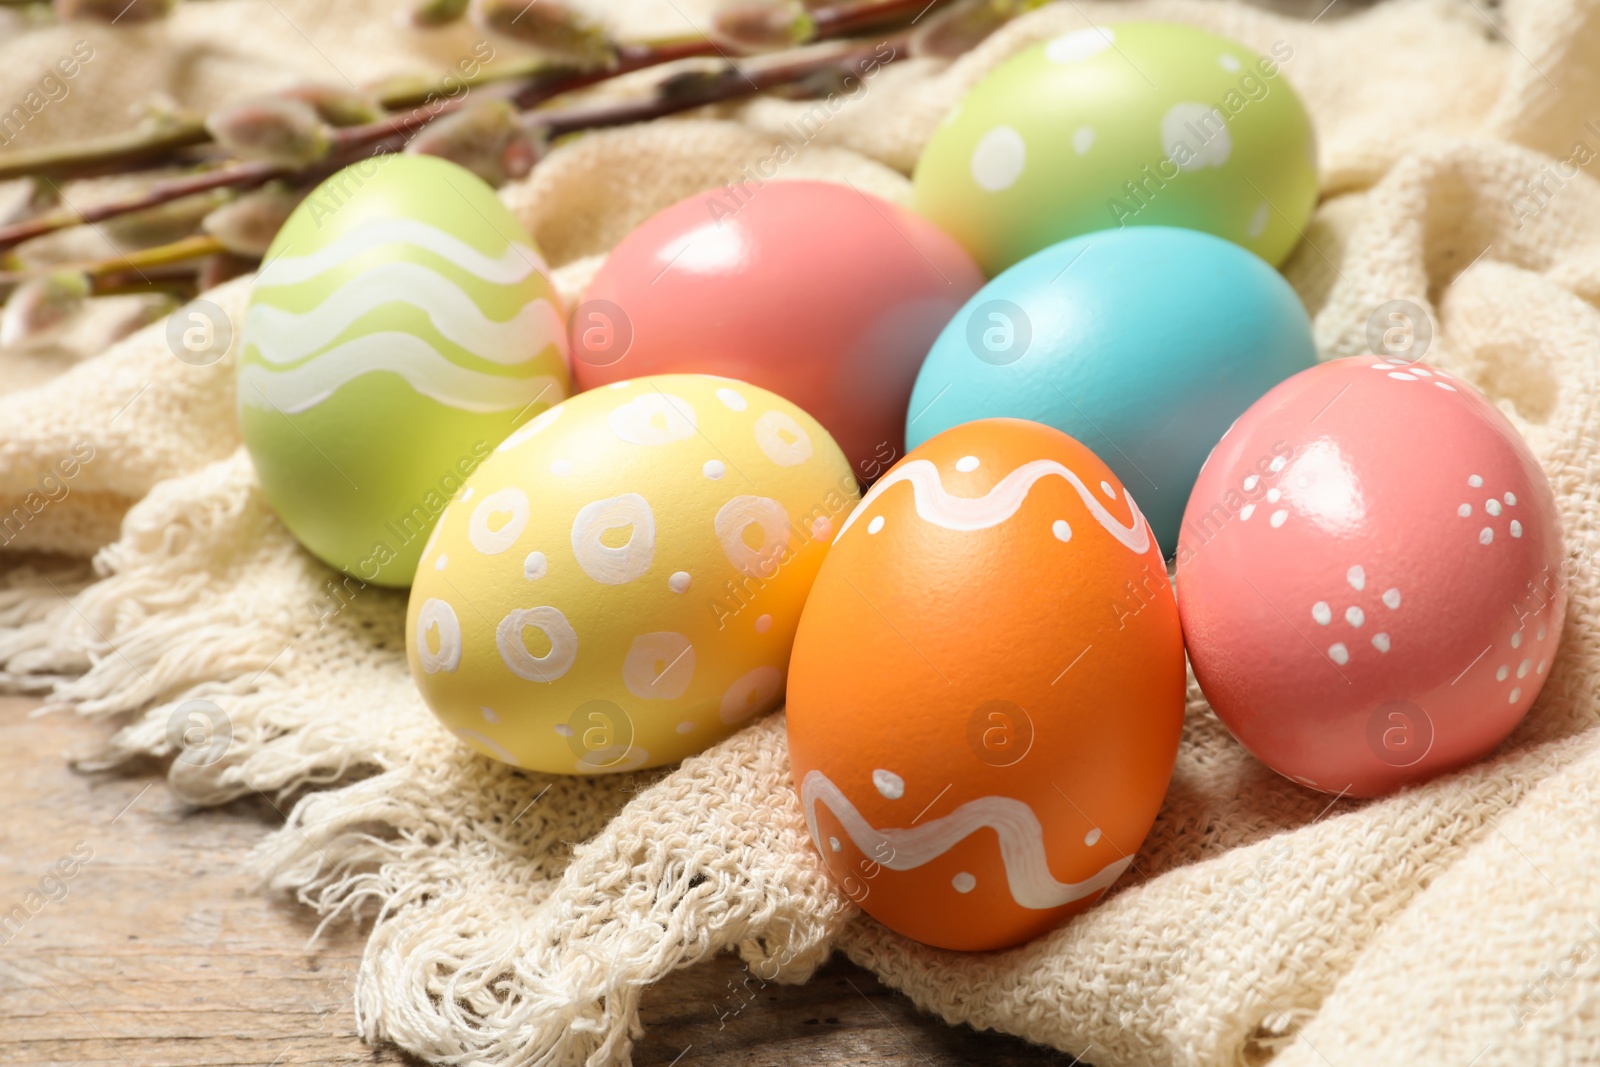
(1142, 343)
(1129, 124)
(987, 688)
(402, 325)
(819, 292)
(1369, 576)
(618, 585)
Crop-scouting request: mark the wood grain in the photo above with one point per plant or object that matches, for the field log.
(130, 935)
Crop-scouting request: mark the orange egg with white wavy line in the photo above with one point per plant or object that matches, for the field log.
(987, 688)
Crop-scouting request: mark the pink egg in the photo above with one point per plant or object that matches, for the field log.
(1369, 576)
(826, 295)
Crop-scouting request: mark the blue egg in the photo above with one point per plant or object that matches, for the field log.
(1144, 343)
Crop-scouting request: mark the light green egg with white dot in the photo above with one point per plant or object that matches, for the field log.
(1127, 124)
(401, 326)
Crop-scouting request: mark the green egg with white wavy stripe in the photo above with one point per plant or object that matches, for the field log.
(401, 326)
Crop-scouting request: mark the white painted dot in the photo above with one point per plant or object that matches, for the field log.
(1380, 642)
(1278, 517)
(563, 729)
(1492, 506)
(1501, 674)
(964, 882)
(1540, 635)
(714, 469)
(1105, 487)
(1083, 139)
(1465, 511)
(732, 400)
(1516, 528)
(1516, 694)
(821, 527)
(1278, 463)
(1511, 500)
(440, 563)
(1485, 535)
(967, 464)
(1062, 531)
(889, 784)
(535, 566)
(1402, 376)
(1322, 613)
(1338, 653)
(466, 494)
(1247, 511)
(1274, 495)
(1092, 838)
(687, 728)
(1251, 482)
(561, 468)
(1259, 220)
(1421, 372)
(489, 715)
(1354, 616)
(1475, 481)
(833, 843)
(998, 159)
(1446, 388)
(875, 525)
(1079, 45)
(1524, 667)
(1195, 136)
(1542, 665)
(679, 582)
(763, 624)
(1356, 577)
(620, 385)
(1391, 599)
(1516, 639)
(1229, 63)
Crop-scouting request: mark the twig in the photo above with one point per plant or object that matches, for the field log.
(132, 146)
(852, 16)
(736, 79)
(544, 78)
(389, 135)
(770, 25)
(197, 246)
(106, 275)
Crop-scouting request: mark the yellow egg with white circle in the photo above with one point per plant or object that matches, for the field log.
(617, 586)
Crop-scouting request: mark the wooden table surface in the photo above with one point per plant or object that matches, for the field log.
(157, 950)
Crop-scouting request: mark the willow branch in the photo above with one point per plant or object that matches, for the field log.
(853, 16)
(734, 80)
(417, 104)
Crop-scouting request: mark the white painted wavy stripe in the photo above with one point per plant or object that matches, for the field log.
(1021, 842)
(419, 363)
(286, 336)
(934, 504)
(514, 264)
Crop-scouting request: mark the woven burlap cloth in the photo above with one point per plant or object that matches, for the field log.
(516, 918)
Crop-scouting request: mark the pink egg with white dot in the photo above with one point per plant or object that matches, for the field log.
(1370, 576)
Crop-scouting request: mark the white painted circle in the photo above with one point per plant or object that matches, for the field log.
(998, 159)
(1079, 45)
